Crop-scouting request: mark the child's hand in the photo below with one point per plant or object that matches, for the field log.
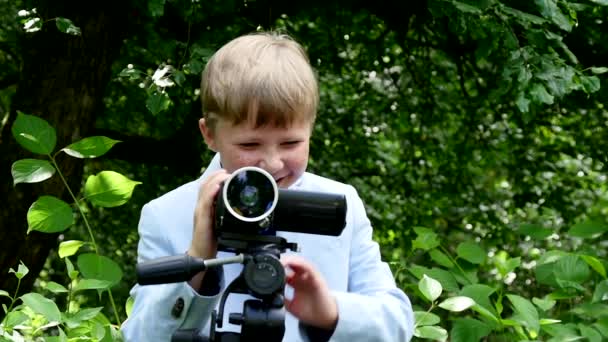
(312, 303)
(204, 244)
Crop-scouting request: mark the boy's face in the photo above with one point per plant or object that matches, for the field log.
(282, 152)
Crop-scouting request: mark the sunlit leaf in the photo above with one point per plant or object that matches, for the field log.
(129, 305)
(430, 288)
(457, 304)
(431, 332)
(55, 287)
(109, 189)
(69, 248)
(34, 134)
(49, 215)
(422, 318)
(31, 171)
(21, 271)
(43, 306)
(90, 147)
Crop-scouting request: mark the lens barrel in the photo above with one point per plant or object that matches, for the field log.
(250, 194)
(251, 203)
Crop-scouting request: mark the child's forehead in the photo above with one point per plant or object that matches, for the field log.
(250, 127)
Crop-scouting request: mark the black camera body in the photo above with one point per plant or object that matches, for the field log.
(251, 204)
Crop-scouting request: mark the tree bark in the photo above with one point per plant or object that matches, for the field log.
(62, 80)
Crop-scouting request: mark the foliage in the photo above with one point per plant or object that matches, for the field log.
(39, 316)
(475, 131)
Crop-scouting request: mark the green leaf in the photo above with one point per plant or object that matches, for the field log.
(534, 231)
(550, 10)
(31, 171)
(109, 189)
(466, 8)
(49, 215)
(523, 104)
(34, 134)
(480, 293)
(158, 102)
(571, 269)
(539, 94)
(82, 315)
(14, 318)
(90, 147)
(599, 70)
(591, 84)
(426, 239)
(468, 329)
(156, 8)
(431, 332)
(601, 292)
(129, 305)
(447, 279)
(591, 334)
(55, 287)
(588, 229)
(544, 304)
(440, 258)
(471, 252)
(43, 306)
(67, 26)
(457, 304)
(430, 288)
(69, 248)
(92, 284)
(423, 318)
(526, 312)
(95, 266)
(595, 264)
(523, 17)
(21, 272)
(600, 2)
(602, 326)
(4, 294)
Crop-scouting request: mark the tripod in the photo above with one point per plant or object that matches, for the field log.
(262, 277)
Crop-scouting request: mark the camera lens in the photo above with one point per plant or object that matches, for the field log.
(250, 194)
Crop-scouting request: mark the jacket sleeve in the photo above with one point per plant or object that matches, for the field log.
(374, 308)
(160, 310)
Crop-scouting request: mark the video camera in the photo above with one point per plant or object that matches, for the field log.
(249, 210)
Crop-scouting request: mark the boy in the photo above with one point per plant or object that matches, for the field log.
(260, 98)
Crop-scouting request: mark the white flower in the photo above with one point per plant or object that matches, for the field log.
(160, 79)
(31, 25)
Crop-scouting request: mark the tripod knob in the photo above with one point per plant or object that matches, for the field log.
(236, 318)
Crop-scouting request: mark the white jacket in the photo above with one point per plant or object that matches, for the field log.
(370, 306)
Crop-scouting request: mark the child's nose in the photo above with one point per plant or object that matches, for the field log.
(271, 163)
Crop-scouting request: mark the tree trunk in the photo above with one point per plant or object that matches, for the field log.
(63, 80)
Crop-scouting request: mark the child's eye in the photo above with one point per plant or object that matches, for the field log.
(248, 145)
(291, 143)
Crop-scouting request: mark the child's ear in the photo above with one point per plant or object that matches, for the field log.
(207, 134)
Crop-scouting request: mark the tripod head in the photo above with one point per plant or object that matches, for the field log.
(249, 210)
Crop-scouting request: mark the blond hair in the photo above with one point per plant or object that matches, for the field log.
(262, 77)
